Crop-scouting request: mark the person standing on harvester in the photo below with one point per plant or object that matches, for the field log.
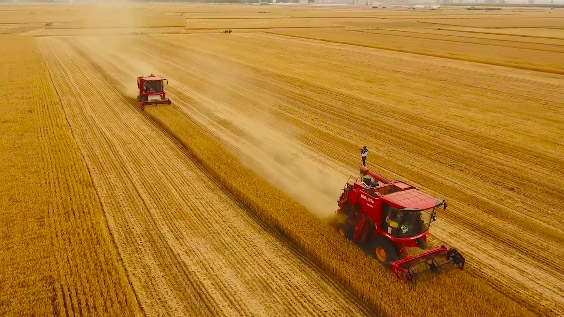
(364, 154)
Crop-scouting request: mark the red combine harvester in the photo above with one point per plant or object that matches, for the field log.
(386, 220)
(151, 91)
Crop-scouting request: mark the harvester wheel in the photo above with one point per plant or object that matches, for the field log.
(345, 230)
(421, 243)
(384, 251)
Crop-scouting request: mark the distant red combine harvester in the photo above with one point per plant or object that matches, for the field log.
(385, 220)
(151, 91)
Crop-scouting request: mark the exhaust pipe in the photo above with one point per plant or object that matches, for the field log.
(364, 170)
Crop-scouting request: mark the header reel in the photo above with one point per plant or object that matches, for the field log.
(413, 268)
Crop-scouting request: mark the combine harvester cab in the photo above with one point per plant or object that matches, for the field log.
(151, 91)
(386, 220)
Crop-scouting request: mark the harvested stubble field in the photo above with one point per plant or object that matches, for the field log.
(213, 205)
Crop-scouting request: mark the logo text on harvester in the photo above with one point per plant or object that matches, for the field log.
(367, 198)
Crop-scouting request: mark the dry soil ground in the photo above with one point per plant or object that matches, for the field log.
(466, 105)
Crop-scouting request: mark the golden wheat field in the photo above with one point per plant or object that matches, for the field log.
(216, 204)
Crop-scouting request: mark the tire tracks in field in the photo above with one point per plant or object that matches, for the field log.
(423, 53)
(178, 231)
(476, 42)
(318, 94)
(499, 240)
(309, 86)
(506, 34)
(478, 36)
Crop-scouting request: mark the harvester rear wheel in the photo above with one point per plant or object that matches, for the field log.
(384, 251)
(345, 230)
(421, 243)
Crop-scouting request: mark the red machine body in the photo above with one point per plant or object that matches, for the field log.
(386, 219)
(151, 91)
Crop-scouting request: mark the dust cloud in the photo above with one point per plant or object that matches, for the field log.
(126, 19)
(262, 142)
(246, 125)
(280, 159)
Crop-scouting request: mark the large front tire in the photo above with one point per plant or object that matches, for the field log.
(421, 243)
(384, 251)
